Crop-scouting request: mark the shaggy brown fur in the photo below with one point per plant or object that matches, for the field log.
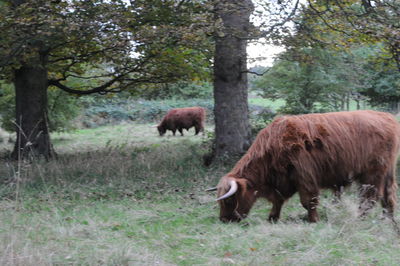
(183, 118)
(306, 153)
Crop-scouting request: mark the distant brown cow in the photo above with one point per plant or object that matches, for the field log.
(306, 153)
(183, 118)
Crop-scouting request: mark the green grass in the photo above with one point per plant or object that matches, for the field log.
(276, 104)
(125, 134)
(267, 103)
(121, 135)
(124, 196)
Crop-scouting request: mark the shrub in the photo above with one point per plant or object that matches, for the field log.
(260, 117)
(100, 111)
(114, 110)
(179, 90)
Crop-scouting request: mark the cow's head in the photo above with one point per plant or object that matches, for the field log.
(161, 130)
(235, 197)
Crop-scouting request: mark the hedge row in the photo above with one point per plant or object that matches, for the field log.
(151, 111)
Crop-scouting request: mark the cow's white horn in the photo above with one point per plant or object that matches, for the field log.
(232, 190)
(154, 126)
(211, 189)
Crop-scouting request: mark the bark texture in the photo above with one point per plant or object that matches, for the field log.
(232, 129)
(31, 113)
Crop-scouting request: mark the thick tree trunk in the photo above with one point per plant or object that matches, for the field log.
(31, 113)
(232, 129)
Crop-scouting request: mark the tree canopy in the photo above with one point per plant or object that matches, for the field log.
(337, 51)
(355, 21)
(85, 47)
(113, 43)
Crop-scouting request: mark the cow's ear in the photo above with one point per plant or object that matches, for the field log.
(243, 185)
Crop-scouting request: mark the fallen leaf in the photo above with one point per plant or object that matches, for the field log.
(227, 254)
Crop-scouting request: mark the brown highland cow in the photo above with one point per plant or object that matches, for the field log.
(306, 153)
(183, 118)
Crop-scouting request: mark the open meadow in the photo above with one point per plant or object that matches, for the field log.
(87, 87)
(121, 195)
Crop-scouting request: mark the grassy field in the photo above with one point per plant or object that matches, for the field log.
(276, 104)
(122, 195)
(267, 103)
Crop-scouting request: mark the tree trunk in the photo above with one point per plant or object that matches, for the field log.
(342, 102)
(31, 113)
(232, 129)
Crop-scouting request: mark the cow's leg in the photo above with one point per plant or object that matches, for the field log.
(372, 188)
(310, 199)
(197, 129)
(378, 183)
(389, 198)
(173, 131)
(337, 194)
(369, 195)
(276, 210)
(180, 131)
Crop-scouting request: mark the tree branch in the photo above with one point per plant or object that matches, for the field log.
(288, 18)
(256, 73)
(318, 13)
(100, 89)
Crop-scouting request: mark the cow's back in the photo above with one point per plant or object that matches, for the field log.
(326, 148)
(341, 145)
(185, 117)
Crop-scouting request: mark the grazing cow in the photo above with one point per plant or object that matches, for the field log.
(183, 118)
(306, 153)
